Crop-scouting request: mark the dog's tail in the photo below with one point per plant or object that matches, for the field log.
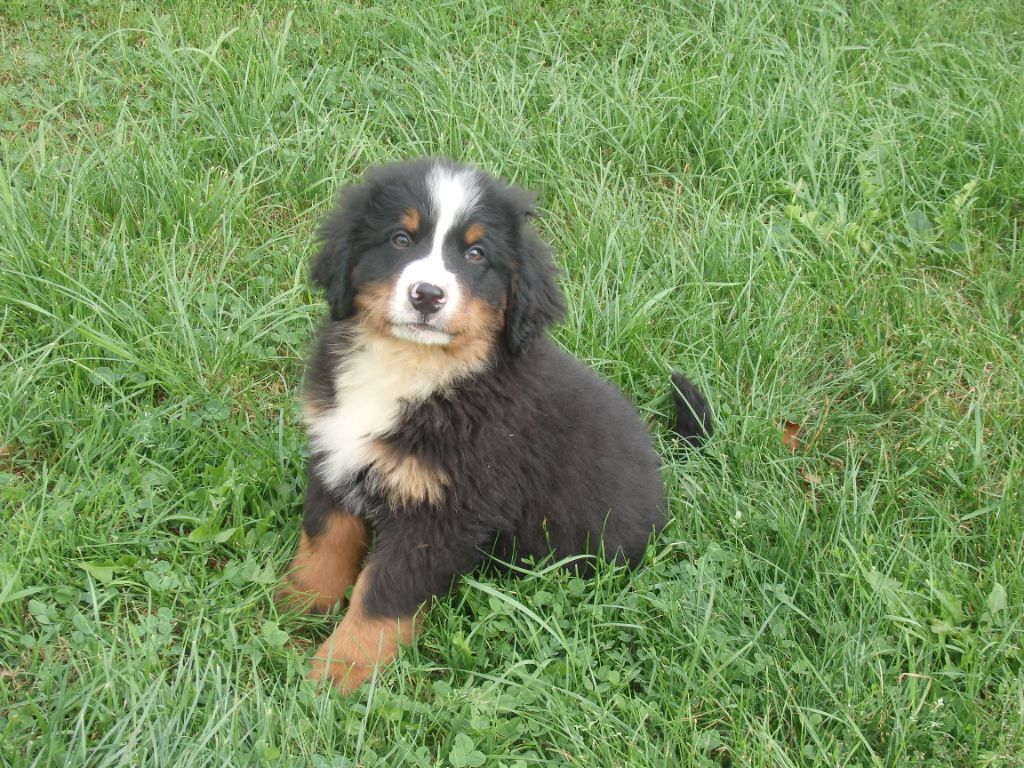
(693, 417)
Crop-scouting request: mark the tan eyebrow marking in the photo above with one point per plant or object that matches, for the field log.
(410, 220)
(474, 233)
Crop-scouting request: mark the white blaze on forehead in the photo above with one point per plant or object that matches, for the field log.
(453, 193)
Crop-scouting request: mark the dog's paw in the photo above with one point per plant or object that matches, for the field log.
(345, 676)
(293, 598)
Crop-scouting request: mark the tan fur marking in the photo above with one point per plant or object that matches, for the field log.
(410, 220)
(474, 330)
(310, 411)
(407, 479)
(474, 233)
(325, 566)
(360, 643)
(371, 303)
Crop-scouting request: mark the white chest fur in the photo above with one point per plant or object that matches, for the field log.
(377, 378)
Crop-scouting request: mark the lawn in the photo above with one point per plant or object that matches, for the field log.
(815, 209)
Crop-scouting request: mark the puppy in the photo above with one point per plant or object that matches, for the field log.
(444, 426)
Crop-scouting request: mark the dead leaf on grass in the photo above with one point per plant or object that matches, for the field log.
(791, 435)
(811, 478)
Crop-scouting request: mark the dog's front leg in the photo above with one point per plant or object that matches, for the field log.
(362, 640)
(410, 566)
(331, 550)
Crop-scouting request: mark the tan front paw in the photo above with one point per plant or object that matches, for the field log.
(293, 598)
(325, 566)
(361, 643)
(345, 676)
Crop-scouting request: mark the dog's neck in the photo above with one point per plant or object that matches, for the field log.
(376, 378)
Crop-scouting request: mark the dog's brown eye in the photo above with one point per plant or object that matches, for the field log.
(475, 255)
(401, 240)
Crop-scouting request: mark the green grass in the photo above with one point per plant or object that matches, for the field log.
(814, 209)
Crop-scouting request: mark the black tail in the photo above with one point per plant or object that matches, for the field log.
(693, 417)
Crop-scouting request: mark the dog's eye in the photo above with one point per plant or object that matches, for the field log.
(401, 240)
(475, 255)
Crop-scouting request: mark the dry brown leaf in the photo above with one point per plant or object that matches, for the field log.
(791, 435)
(811, 478)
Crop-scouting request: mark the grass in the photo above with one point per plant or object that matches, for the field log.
(814, 209)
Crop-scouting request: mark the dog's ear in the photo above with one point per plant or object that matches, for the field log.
(535, 300)
(333, 263)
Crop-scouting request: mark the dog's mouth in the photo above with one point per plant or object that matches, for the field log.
(420, 332)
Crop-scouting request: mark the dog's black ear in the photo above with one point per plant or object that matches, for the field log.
(535, 300)
(333, 263)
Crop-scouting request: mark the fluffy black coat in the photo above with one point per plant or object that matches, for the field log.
(541, 457)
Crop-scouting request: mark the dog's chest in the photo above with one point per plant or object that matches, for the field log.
(373, 384)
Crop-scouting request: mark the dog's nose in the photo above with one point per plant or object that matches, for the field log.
(427, 298)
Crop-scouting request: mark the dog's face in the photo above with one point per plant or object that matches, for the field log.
(437, 254)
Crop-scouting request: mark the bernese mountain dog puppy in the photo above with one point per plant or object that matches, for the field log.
(445, 427)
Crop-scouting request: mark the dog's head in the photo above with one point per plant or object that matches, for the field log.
(438, 254)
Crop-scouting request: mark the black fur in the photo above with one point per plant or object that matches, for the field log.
(542, 457)
(534, 301)
(332, 266)
(693, 417)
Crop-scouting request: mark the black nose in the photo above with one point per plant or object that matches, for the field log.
(427, 298)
